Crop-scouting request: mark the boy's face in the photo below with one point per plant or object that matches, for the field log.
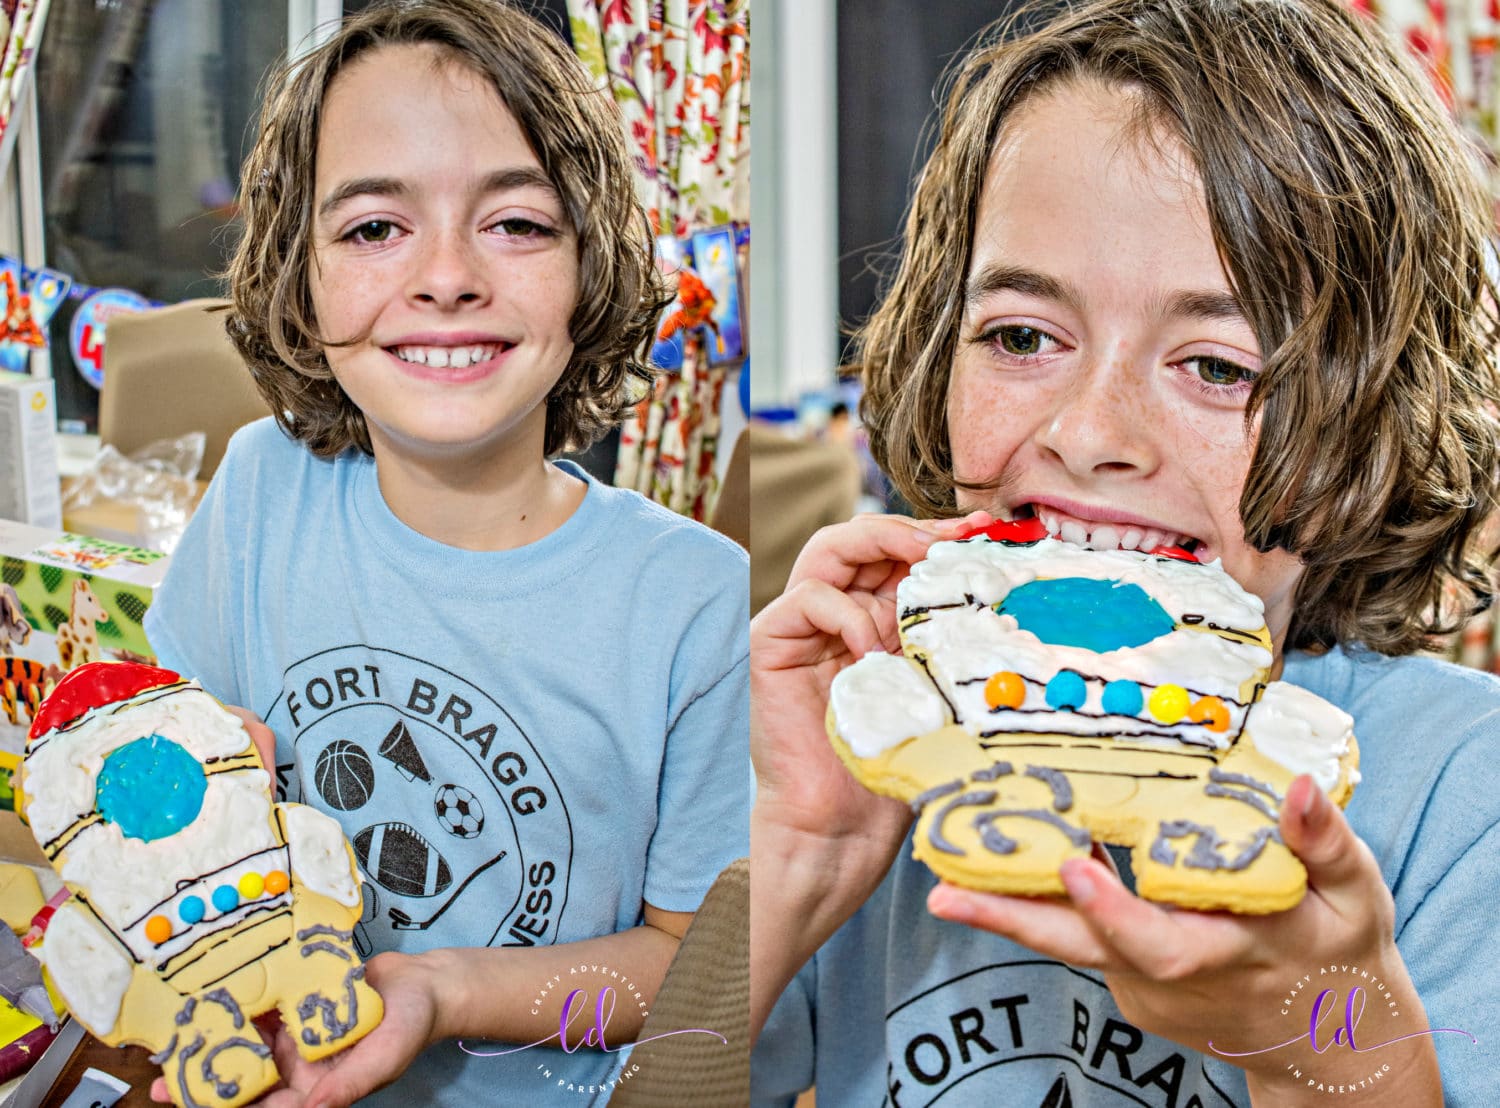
(1102, 367)
(438, 238)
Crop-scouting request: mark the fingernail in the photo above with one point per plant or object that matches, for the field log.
(1079, 882)
(948, 903)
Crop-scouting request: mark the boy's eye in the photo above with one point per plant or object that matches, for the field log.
(517, 227)
(1216, 371)
(376, 230)
(1020, 340)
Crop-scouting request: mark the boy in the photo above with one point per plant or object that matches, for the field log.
(522, 693)
(1212, 270)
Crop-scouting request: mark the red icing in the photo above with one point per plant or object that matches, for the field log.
(1019, 531)
(1173, 552)
(94, 685)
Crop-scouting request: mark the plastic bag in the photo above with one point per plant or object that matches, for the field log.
(157, 480)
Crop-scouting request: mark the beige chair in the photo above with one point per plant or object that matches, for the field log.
(172, 370)
(707, 986)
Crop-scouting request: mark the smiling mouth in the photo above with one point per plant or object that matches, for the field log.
(1093, 534)
(450, 357)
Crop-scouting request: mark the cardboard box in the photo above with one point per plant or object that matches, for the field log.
(29, 486)
(65, 600)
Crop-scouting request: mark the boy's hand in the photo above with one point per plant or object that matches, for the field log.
(820, 843)
(410, 1024)
(1214, 978)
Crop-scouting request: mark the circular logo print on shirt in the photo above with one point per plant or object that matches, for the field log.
(150, 788)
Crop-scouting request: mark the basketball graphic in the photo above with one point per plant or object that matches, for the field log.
(344, 776)
(458, 811)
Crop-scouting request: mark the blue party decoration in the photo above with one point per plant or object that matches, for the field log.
(1084, 612)
(1123, 698)
(150, 788)
(1066, 690)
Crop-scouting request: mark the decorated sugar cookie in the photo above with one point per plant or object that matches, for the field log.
(1050, 696)
(197, 903)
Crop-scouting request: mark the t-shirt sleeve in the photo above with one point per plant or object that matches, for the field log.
(781, 1065)
(1449, 946)
(191, 623)
(703, 800)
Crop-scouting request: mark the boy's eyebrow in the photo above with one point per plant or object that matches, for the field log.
(501, 180)
(1208, 305)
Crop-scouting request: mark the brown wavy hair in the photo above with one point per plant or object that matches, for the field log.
(1354, 230)
(577, 135)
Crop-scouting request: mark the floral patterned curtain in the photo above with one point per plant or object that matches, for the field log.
(679, 69)
(21, 23)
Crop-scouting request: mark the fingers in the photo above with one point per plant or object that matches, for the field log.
(794, 631)
(260, 734)
(1049, 927)
(1340, 868)
(871, 552)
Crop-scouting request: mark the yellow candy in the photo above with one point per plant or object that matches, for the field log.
(1168, 703)
(158, 929)
(1211, 712)
(1005, 690)
(251, 885)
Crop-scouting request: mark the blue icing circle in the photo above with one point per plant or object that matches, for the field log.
(1066, 690)
(226, 898)
(1123, 698)
(191, 909)
(150, 788)
(1088, 613)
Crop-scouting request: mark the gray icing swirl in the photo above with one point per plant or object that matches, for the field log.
(1206, 846)
(1224, 777)
(1062, 790)
(1244, 796)
(994, 772)
(963, 800)
(1000, 843)
(937, 792)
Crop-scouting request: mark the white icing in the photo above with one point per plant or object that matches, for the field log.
(69, 760)
(87, 966)
(1301, 730)
(127, 878)
(320, 856)
(987, 571)
(882, 700)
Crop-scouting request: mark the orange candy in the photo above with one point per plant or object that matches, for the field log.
(158, 929)
(276, 882)
(1005, 690)
(1211, 712)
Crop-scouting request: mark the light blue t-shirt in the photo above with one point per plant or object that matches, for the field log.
(522, 746)
(899, 1008)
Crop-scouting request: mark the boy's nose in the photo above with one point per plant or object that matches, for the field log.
(1102, 422)
(449, 273)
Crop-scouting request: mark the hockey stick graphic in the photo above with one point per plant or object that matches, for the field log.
(402, 922)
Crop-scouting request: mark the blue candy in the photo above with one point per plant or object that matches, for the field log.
(226, 898)
(1123, 698)
(1066, 690)
(191, 909)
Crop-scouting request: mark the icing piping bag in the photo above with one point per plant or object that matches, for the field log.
(21, 980)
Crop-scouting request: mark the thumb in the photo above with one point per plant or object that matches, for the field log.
(1315, 830)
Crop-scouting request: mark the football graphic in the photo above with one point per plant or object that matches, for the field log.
(398, 859)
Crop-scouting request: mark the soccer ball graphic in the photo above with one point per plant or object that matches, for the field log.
(459, 812)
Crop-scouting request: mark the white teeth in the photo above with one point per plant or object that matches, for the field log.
(1104, 538)
(1131, 539)
(442, 357)
(1049, 520)
(1151, 540)
(1074, 532)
